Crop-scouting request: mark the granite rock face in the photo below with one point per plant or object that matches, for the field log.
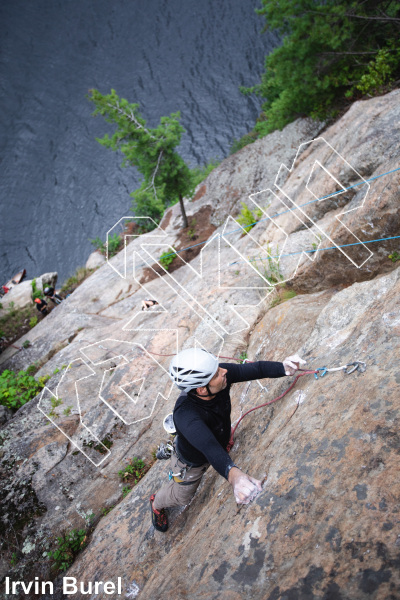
(326, 523)
(96, 259)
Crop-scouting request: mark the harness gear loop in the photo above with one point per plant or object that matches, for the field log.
(180, 476)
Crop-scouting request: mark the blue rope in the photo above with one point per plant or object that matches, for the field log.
(286, 211)
(395, 237)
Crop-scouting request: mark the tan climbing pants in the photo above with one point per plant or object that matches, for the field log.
(180, 493)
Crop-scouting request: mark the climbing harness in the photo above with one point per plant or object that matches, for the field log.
(180, 476)
(164, 451)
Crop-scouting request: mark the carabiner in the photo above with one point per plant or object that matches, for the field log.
(357, 365)
(324, 371)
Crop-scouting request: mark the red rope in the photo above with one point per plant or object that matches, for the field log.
(231, 441)
(270, 402)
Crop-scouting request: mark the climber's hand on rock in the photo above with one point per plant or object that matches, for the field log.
(292, 363)
(245, 488)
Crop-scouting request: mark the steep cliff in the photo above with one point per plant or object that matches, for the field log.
(326, 523)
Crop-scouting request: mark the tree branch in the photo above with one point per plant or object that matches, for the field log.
(154, 174)
(130, 117)
(351, 53)
(324, 14)
(371, 18)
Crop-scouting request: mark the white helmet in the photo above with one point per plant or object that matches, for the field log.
(193, 368)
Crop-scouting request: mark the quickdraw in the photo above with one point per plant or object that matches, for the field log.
(180, 476)
(357, 365)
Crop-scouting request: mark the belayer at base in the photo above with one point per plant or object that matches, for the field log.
(202, 417)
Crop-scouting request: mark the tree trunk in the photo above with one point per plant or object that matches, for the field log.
(185, 221)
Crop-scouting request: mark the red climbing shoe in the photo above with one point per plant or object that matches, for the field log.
(158, 517)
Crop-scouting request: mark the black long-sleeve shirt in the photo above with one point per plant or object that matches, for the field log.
(204, 426)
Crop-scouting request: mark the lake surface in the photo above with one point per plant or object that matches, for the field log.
(58, 186)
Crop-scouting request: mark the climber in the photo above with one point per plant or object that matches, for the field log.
(41, 305)
(147, 303)
(51, 293)
(202, 417)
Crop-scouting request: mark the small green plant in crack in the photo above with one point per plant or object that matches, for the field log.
(67, 411)
(316, 244)
(270, 270)
(35, 292)
(33, 322)
(247, 218)
(166, 259)
(125, 490)
(243, 356)
(394, 257)
(191, 232)
(16, 389)
(14, 559)
(105, 511)
(133, 471)
(282, 295)
(68, 546)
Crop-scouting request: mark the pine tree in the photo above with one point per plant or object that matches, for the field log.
(332, 51)
(166, 177)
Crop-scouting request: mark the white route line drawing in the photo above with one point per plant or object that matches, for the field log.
(180, 291)
(334, 176)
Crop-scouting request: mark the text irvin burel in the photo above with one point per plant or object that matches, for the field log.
(70, 586)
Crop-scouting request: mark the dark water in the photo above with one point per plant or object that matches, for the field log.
(58, 186)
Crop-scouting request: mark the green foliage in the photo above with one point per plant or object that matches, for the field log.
(68, 546)
(191, 232)
(75, 280)
(324, 56)
(99, 244)
(105, 511)
(282, 296)
(33, 322)
(67, 411)
(14, 559)
(316, 244)
(125, 490)
(16, 389)
(35, 292)
(243, 356)
(247, 218)
(133, 471)
(394, 257)
(166, 177)
(55, 402)
(380, 72)
(166, 259)
(15, 322)
(270, 270)
(26, 344)
(115, 242)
